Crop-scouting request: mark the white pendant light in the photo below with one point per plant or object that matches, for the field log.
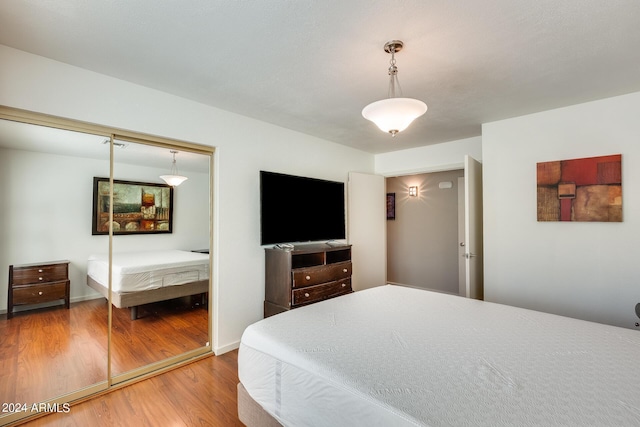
(393, 114)
(174, 179)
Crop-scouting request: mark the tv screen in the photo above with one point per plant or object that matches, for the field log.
(298, 209)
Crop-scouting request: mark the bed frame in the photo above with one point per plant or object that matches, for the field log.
(251, 413)
(133, 299)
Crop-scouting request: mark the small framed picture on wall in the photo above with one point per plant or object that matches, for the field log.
(391, 205)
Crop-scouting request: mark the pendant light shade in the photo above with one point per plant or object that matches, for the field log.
(394, 114)
(174, 179)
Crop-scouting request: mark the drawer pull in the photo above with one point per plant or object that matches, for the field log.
(40, 293)
(344, 285)
(308, 277)
(39, 278)
(344, 270)
(306, 294)
(40, 270)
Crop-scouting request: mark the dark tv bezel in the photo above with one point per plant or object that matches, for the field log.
(307, 237)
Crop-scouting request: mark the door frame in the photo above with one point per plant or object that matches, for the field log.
(432, 169)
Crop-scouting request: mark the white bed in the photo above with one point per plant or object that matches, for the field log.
(397, 356)
(143, 277)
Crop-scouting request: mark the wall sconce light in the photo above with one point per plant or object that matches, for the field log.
(413, 191)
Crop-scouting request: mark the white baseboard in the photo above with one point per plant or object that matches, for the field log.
(425, 289)
(85, 298)
(20, 308)
(226, 348)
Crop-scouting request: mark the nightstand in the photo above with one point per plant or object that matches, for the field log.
(38, 283)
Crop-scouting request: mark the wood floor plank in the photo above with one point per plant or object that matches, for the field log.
(52, 351)
(202, 393)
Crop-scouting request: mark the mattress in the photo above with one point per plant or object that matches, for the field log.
(397, 356)
(141, 271)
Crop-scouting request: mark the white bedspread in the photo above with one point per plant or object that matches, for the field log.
(139, 271)
(395, 356)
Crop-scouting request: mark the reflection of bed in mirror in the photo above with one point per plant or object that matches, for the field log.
(151, 276)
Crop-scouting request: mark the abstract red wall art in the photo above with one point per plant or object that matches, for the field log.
(588, 189)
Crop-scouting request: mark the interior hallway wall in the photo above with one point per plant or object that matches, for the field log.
(422, 240)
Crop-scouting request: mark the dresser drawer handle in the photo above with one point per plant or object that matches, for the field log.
(344, 285)
(344, 270)
(40, 270)
(39, 278)
(40, 293)
(306, 294)
(307, 277)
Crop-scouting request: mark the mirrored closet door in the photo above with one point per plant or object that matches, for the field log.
(160, 259)
(109, 268)
(54, 334)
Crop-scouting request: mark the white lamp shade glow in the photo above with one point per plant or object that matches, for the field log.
(394, 115)
(173, 180)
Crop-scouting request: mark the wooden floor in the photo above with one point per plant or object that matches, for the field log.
(53, 351)
(202, 393)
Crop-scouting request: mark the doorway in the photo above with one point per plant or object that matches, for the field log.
(422, 238)
(368, 229)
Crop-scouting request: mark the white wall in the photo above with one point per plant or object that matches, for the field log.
(430, 158)
(243, 147)
(583, 270)
(47, 211)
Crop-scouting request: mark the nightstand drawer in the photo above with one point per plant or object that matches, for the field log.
(34, 294)
(321, 274)
(40, 274)
(321, 292)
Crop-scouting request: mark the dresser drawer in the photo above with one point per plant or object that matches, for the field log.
(40, 274)
(320, 292)
(33, 294)
(320, 274)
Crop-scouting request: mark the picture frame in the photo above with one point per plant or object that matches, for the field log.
(580, 190)
(138, 207)
(391, 206)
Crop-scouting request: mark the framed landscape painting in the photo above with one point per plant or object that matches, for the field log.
(138, 207)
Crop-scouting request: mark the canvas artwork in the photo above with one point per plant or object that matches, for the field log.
(391, 205)
(588, 189)
(138, 207)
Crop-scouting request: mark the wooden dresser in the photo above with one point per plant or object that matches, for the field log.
(38, 283)
(304, 275)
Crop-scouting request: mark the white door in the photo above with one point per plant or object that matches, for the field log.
(367, 230)
(473, 228)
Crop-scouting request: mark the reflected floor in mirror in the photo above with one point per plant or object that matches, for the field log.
(202, 393)
(49, 352)
(162, 330)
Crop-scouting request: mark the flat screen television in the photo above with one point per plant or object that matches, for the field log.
(299, 209)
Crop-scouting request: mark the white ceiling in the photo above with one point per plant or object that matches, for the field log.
(28, 137)
(312, 66)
